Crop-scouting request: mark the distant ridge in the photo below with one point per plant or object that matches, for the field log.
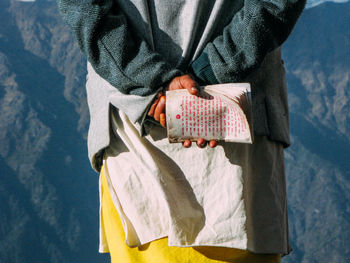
(312, 3)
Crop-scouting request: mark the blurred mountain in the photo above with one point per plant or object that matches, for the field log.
(49, 193)
(317, 59)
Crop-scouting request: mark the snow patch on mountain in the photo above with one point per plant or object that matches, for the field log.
(312, 3)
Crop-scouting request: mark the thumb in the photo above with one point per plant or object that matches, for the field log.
(188, 83)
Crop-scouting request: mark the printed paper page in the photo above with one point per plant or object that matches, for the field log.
(215, 114)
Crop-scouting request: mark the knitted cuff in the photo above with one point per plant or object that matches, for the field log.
(202, 70)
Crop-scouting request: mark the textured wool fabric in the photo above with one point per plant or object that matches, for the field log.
(256, 29)
(139, 46)
(158, 251)
(133, 65)
(231, 196)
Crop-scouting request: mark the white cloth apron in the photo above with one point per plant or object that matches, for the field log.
(232, 196)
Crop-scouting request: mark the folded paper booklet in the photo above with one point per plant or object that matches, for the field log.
(219, 112)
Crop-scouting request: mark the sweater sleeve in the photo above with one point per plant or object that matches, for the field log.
(257, 28)
(114, 49)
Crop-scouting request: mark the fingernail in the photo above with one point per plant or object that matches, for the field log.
(201, 142)
(194, 89)
(213, 144)
(187, 144)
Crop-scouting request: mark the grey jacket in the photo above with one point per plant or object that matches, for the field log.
(135, 47)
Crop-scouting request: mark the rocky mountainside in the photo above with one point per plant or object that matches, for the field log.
(317, 57)
(49, 194)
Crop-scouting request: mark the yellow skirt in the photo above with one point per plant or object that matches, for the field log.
(158, 251)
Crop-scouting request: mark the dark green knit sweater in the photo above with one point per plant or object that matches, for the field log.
(128, 62)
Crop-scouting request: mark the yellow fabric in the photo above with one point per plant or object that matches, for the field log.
(158, 251)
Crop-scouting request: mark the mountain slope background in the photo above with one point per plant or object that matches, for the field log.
(317, 57)
(49, 193)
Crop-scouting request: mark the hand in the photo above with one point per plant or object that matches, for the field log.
(157, 110)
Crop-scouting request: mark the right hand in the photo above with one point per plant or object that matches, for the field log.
(157, 110)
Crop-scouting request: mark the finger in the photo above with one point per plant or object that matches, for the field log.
(175, 84)
(162, 119)
(187, 144)
(201, 143)
(153, 107)
(189, 84)
(213, 143)
(193, 90)
(160, 108)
